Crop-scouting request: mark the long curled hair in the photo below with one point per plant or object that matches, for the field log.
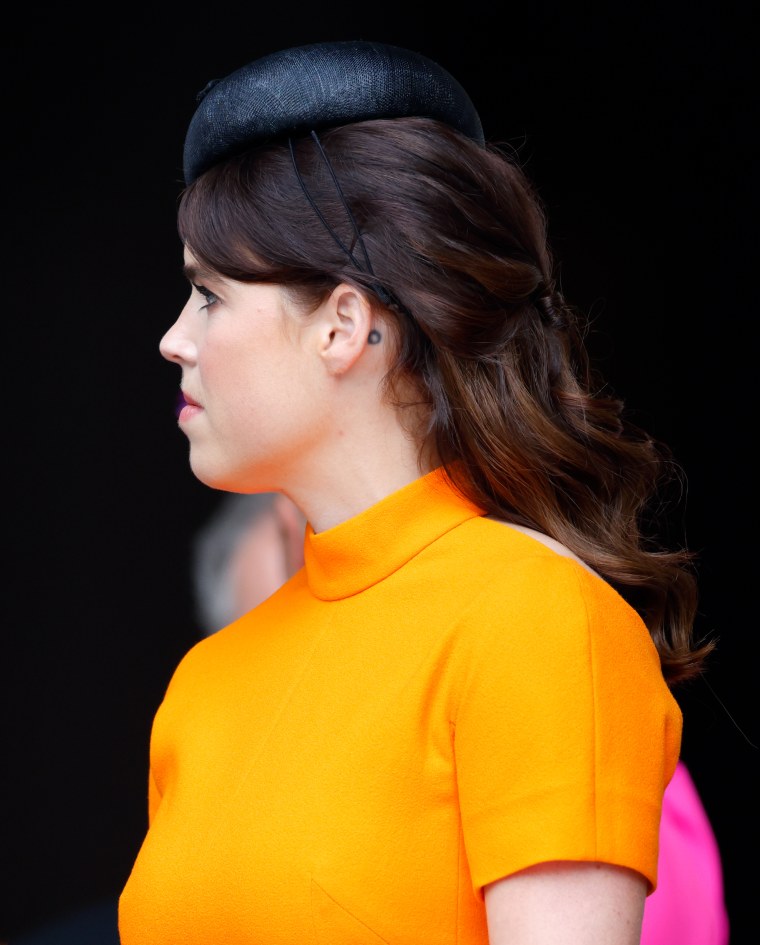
(457, 255)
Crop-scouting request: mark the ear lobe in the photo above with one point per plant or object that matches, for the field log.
(347, 321)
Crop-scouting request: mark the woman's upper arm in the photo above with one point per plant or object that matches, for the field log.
(562, 902)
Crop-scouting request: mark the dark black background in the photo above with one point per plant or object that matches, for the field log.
(639, 131)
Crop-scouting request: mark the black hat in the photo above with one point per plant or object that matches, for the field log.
(307, 88)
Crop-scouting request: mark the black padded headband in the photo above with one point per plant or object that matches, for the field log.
(307, 88)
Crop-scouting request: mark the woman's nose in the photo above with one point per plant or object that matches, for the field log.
(176, 345)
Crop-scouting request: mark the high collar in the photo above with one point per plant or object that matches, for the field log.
(367, 548)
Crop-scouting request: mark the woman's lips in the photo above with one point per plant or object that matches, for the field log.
(187, 407)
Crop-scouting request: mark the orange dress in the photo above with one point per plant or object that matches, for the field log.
(433, 702)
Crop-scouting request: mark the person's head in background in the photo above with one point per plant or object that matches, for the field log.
(247, 548)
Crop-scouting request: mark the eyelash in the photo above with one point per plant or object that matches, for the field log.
(208, 295)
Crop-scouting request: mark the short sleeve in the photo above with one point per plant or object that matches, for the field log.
(565, 731)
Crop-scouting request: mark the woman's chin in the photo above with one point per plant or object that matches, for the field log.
(207, 473)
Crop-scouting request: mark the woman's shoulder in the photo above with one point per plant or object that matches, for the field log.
(547, 541)
(521, 572)
(515, 553)
(543, 614)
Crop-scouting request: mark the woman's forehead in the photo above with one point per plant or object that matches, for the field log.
(195, 271)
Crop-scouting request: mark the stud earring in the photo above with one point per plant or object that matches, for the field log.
(374, 337)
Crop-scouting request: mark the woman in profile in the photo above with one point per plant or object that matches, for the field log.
(456, 722)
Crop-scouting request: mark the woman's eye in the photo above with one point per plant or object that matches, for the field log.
(207, 294)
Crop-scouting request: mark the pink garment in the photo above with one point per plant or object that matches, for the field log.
(688, 907)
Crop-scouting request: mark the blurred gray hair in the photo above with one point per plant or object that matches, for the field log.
(213, 547)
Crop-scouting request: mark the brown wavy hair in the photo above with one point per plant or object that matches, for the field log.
(460, 261)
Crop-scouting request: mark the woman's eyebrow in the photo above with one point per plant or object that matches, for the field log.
(194, 273)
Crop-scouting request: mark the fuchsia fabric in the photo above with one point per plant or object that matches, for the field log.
(688, 906)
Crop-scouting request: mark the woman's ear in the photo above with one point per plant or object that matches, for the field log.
(345, 321)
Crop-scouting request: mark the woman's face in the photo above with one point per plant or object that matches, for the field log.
(251, 388)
